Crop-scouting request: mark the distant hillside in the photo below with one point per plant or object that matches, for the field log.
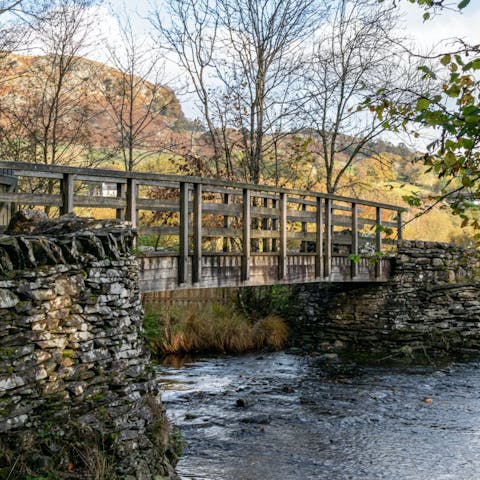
(27, 81)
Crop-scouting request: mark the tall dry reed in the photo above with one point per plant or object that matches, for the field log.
(211, 328)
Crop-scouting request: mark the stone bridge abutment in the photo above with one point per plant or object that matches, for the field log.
(76, 392)
(431, 303)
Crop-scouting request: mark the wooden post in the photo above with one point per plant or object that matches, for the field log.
(354, 252)
(226, 222)
(266, 242)
(399, 226)
(131, 212)
(327, 268)
(282, 259)
(197, 233)
(378, 243)
(246, 239)
(255, 224)
(274, 226)
(8, 183)
(67, 193)
(13, 188)
(303, 244)
(121, 193)
(183, 234)
(319, 239)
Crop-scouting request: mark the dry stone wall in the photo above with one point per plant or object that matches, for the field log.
(430, 305)
(76, 394)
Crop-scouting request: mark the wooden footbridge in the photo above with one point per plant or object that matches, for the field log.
(209, 232)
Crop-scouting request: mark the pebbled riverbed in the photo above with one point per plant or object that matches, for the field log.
(286, 417)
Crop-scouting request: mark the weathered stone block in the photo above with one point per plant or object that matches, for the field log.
(8, 299)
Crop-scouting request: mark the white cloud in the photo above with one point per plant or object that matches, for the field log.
(442, 29)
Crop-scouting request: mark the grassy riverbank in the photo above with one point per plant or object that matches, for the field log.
(211, 328)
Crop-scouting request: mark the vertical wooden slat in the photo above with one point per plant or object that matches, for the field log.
(183, 234)
(13, 188)
(354, 251)
(227, 200)
(319, 239)
(67, 193)
(121, 193)
(246, 240)
(255, 223)
(399, 226)
(131, 212)
(266, 242)
(378, 242)
(274, 226)
(197, 233)
(282, 260)
(327, 267)
(4, 207)
(303, 244)
(8, 183)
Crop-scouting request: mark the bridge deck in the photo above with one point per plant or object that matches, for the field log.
(214, 232)
(159, 272)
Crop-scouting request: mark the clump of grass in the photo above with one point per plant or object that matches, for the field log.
(211, 328)
(272, 331)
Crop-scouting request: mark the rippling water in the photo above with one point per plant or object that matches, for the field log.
(286, 417)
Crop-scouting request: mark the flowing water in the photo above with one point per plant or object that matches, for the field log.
(286, 417)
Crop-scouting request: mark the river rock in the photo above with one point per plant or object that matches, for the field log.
(260, 419)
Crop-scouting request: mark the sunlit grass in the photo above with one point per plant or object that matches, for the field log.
(211, 328)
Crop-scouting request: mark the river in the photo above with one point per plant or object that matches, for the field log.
(280, 416)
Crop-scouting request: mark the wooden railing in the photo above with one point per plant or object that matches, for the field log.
(191, 217)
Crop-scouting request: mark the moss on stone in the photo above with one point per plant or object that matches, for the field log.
(68, 353)
(7, 351)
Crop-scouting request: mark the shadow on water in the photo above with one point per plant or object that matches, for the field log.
(282, 416)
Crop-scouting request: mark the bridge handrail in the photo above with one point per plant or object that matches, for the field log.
(263, 212)
(112, 176)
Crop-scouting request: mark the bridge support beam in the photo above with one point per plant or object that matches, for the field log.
(67, 193)
(131, 213)
(197, 233)
(121, 193)
(378, 242)
(246, 237)
(327, 268)
(282, 260)
(319, 239)
(399, 226)
(354, 250)
(227, 200)
(183, 234)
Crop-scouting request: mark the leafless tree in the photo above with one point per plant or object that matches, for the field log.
(46, 112)
(15, 14)
(354, 59)
(191, 34)
(15, 18)
(240, 56)
(48, 108)
(138, 101)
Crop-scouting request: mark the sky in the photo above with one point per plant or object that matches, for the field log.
(448, 24)
(445, 26)
(439, 32)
